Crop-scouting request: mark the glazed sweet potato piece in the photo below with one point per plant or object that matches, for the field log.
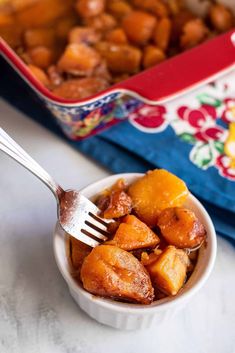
(103, 23)
(90, 8)
(43, 12)
(119, 205)
(41, 56)
(6, 16)
(109, 271)
(117, 36)
(139, 26)
(39, 74)
(168, 272)
(119, 9)
(80, 88)
(77, 253)
(39, 36)
(103, 198)
(79, 59)
(114, 202)
(194, 32)
(221, 18)
(152, 56)
(162, 33)
(84, 35)
(120, 58)
(155, 191)
(133, 234)
(180, 227)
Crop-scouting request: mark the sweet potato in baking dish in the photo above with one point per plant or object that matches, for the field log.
(130, 36)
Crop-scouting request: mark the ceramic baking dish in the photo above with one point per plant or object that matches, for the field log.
(161, 84)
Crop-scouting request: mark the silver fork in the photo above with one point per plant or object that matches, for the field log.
(77, 215)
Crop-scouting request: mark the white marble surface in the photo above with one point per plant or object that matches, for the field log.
(37, 313)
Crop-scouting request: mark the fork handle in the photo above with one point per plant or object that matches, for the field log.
(12, 149)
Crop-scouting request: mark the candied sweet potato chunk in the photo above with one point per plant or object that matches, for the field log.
(221, 17)
(118, 206)
(39, 36)
(119, 8)
(43, 12)
(90, 8)
(117, 36)
(180, 227)
(103, 22)
(80, 88)
(133, 234)
(112, 272)
(168, 272)
(139, 26)
(120, 58)
(103, 199)
(41, 56)
(6, 19)
(79, 59)
(39, 74)
(152, 56)
(162, 33)
(84, 35)
(194, 32)
(77, 253)
(157, 190)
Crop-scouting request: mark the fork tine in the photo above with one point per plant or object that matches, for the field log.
(93, 234)
(101, 220)
(98, 224)
(84, 238)
(98, 229)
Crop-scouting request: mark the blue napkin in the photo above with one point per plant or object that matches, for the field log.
(105, 149)
(125, 148)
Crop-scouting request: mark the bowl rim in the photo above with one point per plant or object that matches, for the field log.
(142, 86)
(157, 305)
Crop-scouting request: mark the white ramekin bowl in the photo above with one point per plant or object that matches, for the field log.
(133, 316)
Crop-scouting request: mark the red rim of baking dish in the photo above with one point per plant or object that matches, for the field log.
(160, 83)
